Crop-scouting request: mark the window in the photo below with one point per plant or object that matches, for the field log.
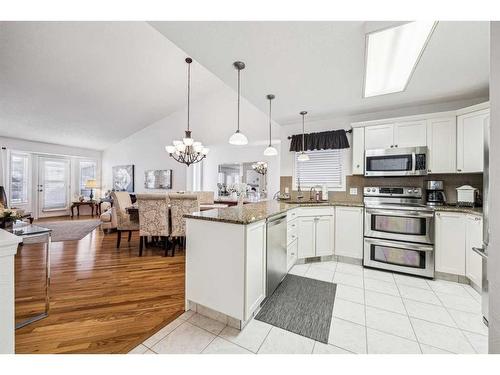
(324, 167)
(88, 171)
(19, 177)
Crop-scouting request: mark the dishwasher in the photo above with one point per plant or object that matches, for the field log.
(276, 253)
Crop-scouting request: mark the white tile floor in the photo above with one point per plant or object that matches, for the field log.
(374, 312)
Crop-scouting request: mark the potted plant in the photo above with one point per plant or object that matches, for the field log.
(8, 217)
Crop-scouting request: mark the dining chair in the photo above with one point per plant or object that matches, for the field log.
(180, 205)
(153, 219)
(124, 222)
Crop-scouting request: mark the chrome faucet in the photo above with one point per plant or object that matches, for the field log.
(311, 196)
(277, 195)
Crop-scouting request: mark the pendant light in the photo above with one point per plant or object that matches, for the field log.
(270, 150)
(303, 156)
(238, 139)
(187, 151)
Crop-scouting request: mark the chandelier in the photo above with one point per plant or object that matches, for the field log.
(187, 151)
(260, 167)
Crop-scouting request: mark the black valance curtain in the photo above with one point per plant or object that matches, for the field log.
(333, 139)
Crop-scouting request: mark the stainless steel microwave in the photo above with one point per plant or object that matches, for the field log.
(407, 161)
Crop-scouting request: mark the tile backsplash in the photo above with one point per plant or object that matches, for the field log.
(451, 182)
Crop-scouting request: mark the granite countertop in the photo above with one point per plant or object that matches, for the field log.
(253, 212)
(464, 210)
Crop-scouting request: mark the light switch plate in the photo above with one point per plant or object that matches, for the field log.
(353, 191)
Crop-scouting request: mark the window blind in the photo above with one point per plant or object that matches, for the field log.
(19, 179)
(324, 167)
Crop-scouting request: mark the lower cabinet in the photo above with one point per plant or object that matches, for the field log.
(450, 243)
(255, 282)
(292, 254)
(315, 233)
(349, 232)
(474, 238)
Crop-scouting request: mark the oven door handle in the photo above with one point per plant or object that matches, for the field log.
(399, 213)
(402, 245)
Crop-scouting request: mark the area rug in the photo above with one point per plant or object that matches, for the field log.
(70, 230)
(301, 305)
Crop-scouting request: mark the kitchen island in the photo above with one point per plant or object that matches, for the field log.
(226, 256)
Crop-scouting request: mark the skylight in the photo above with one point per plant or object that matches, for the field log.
(392, 55)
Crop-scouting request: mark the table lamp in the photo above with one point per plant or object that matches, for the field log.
(91, 184)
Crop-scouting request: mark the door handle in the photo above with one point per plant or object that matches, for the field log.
(480, 251)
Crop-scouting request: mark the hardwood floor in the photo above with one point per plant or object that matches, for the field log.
(103, 300)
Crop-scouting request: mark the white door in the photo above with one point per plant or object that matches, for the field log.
(324, 235)
(410, 134)
(306, 237)
(470, 141)
(379, 136)
(450, 243)
(442, 145)
(358, 151)
(53, 186)
(349, 232)
(473, 261)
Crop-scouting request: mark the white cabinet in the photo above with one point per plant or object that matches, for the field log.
(324, 235)
(358, 151)
(379, 136)
(450, 243)
(292, 254)
(470, 141)
(255, 267)
(410, 134)
(474, 238)
(442, 145)
(315, 232)
(349, 232)
(307, 236)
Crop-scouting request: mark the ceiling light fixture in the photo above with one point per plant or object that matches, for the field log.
(392, 56)
(303, 156)
(270, 150)
(187, 151)
(238, 139)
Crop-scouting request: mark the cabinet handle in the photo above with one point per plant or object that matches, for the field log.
(392, 146)
(395, 145)
(438, 214)
(459, 170)
(429, 171)
(357, 166)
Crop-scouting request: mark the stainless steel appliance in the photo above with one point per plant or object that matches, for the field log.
(407, 161)
(399, 231)
(276, 252)
(483, 251)
(434, 192)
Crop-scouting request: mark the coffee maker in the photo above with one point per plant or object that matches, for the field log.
(435, 195)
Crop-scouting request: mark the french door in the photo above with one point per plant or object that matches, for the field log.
(53, 186)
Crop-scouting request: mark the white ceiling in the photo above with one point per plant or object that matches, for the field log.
(90, 84)
(319, 66)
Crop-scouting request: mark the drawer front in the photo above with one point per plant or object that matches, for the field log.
(315, 211)
(291, 215)
(292, 254)
(292, 232)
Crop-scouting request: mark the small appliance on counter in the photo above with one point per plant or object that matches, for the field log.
(435, 195)
(467, 196)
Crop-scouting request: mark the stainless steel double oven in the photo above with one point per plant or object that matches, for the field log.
(399, 231)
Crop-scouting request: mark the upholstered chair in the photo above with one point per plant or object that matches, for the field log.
(124, 222)
(153, 218)
(180, 205)
(205, 197)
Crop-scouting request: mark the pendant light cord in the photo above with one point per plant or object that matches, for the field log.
(189, 90)
(270, 122)
(239, 100)
(303, 137)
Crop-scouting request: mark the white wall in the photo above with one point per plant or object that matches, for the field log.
(318, 125)
(235, 154)
(213, 120)
(494, 198)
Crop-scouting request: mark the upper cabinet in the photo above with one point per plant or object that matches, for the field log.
(358, 151)
(470, 141)
(442, 145)
(454, 139)
(410, 133)
(379, 136)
